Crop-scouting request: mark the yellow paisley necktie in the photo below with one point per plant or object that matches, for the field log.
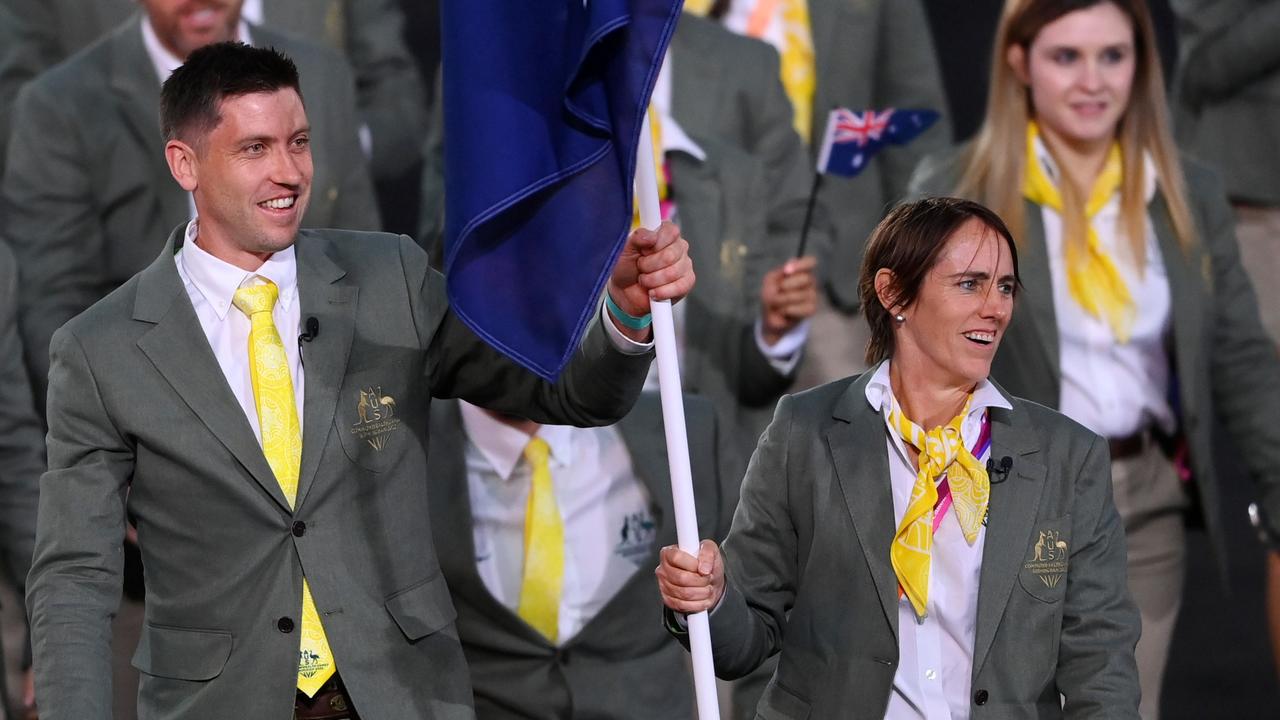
(282, 446)
(1093, 279)
(942, 451)
(543, 547)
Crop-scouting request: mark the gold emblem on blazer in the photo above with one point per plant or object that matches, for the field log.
(377, 417)
(1049, 558)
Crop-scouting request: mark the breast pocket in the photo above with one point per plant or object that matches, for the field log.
(1045, 564)
(368, 422)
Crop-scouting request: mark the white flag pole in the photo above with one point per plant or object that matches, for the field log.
(664, 336)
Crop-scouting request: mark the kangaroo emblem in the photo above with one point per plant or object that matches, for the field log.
(374, 405)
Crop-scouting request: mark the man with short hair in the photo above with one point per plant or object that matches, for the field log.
(278, 487)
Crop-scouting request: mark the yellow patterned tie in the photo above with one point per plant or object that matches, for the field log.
(942, 451)
(282, 445)
(543, 547)
(1093, 279)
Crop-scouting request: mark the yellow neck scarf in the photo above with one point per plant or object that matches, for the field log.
(942, 451)
(1093, 279)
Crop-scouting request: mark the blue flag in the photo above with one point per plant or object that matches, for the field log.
(543, 104)
(852, 139)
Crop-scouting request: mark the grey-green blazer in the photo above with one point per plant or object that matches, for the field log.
(808, 570)
(143, 423)
(622, 665)
(90, 193)
(1225, 365)
(1229, 92)
(870, 54)
(21, 439)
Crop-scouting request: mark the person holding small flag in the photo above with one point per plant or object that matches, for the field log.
(867, 55)
(914, 541)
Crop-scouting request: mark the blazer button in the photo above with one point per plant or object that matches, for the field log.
(285, 625)
(562, 657)
(980, 697)
(299, 529)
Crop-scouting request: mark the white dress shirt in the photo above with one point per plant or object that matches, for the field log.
(609, 528)
(1114, 390)
(783, 355)
(935, 656)
(211, 284)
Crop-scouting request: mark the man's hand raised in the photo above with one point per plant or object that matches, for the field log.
(654, 265)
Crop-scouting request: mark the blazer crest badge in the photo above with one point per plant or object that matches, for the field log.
(377, 417)
(1049, 558)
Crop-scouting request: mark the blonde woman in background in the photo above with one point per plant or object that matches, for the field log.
(1138, 320)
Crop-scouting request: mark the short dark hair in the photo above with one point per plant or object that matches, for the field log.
(907, 242)
(190, 97)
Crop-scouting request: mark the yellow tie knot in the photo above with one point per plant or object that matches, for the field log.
(256, 299)
(537, 452)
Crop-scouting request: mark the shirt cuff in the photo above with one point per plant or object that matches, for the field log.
(681, 620)
(785, 355)
(621, 343)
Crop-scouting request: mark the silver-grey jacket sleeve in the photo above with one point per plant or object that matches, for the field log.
(598, 387)
(1097, 674)
(73, 590)
(21, 440)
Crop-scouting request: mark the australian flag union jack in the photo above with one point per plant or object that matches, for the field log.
(852, 138)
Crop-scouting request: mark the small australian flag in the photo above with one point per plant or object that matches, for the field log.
(852, 139)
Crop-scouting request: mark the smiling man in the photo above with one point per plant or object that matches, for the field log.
(280, 504)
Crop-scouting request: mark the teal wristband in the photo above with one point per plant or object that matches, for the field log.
(631, 321)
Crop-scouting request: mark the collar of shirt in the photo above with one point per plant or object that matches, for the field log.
(218, 280)
(674, 138)
(1051, 169)
(166, 62)
(985, 395)
(503, 446)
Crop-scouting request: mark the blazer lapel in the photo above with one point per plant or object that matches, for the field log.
(1185, 292)
(1011, 515)
(642, 432)
(857, 443)
(178, 348)
(324, 358)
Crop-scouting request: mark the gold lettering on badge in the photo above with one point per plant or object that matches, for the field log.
(377, 417)
(1049, 558)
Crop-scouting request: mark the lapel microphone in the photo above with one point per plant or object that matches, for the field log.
(1006, 464)
(312, 330)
